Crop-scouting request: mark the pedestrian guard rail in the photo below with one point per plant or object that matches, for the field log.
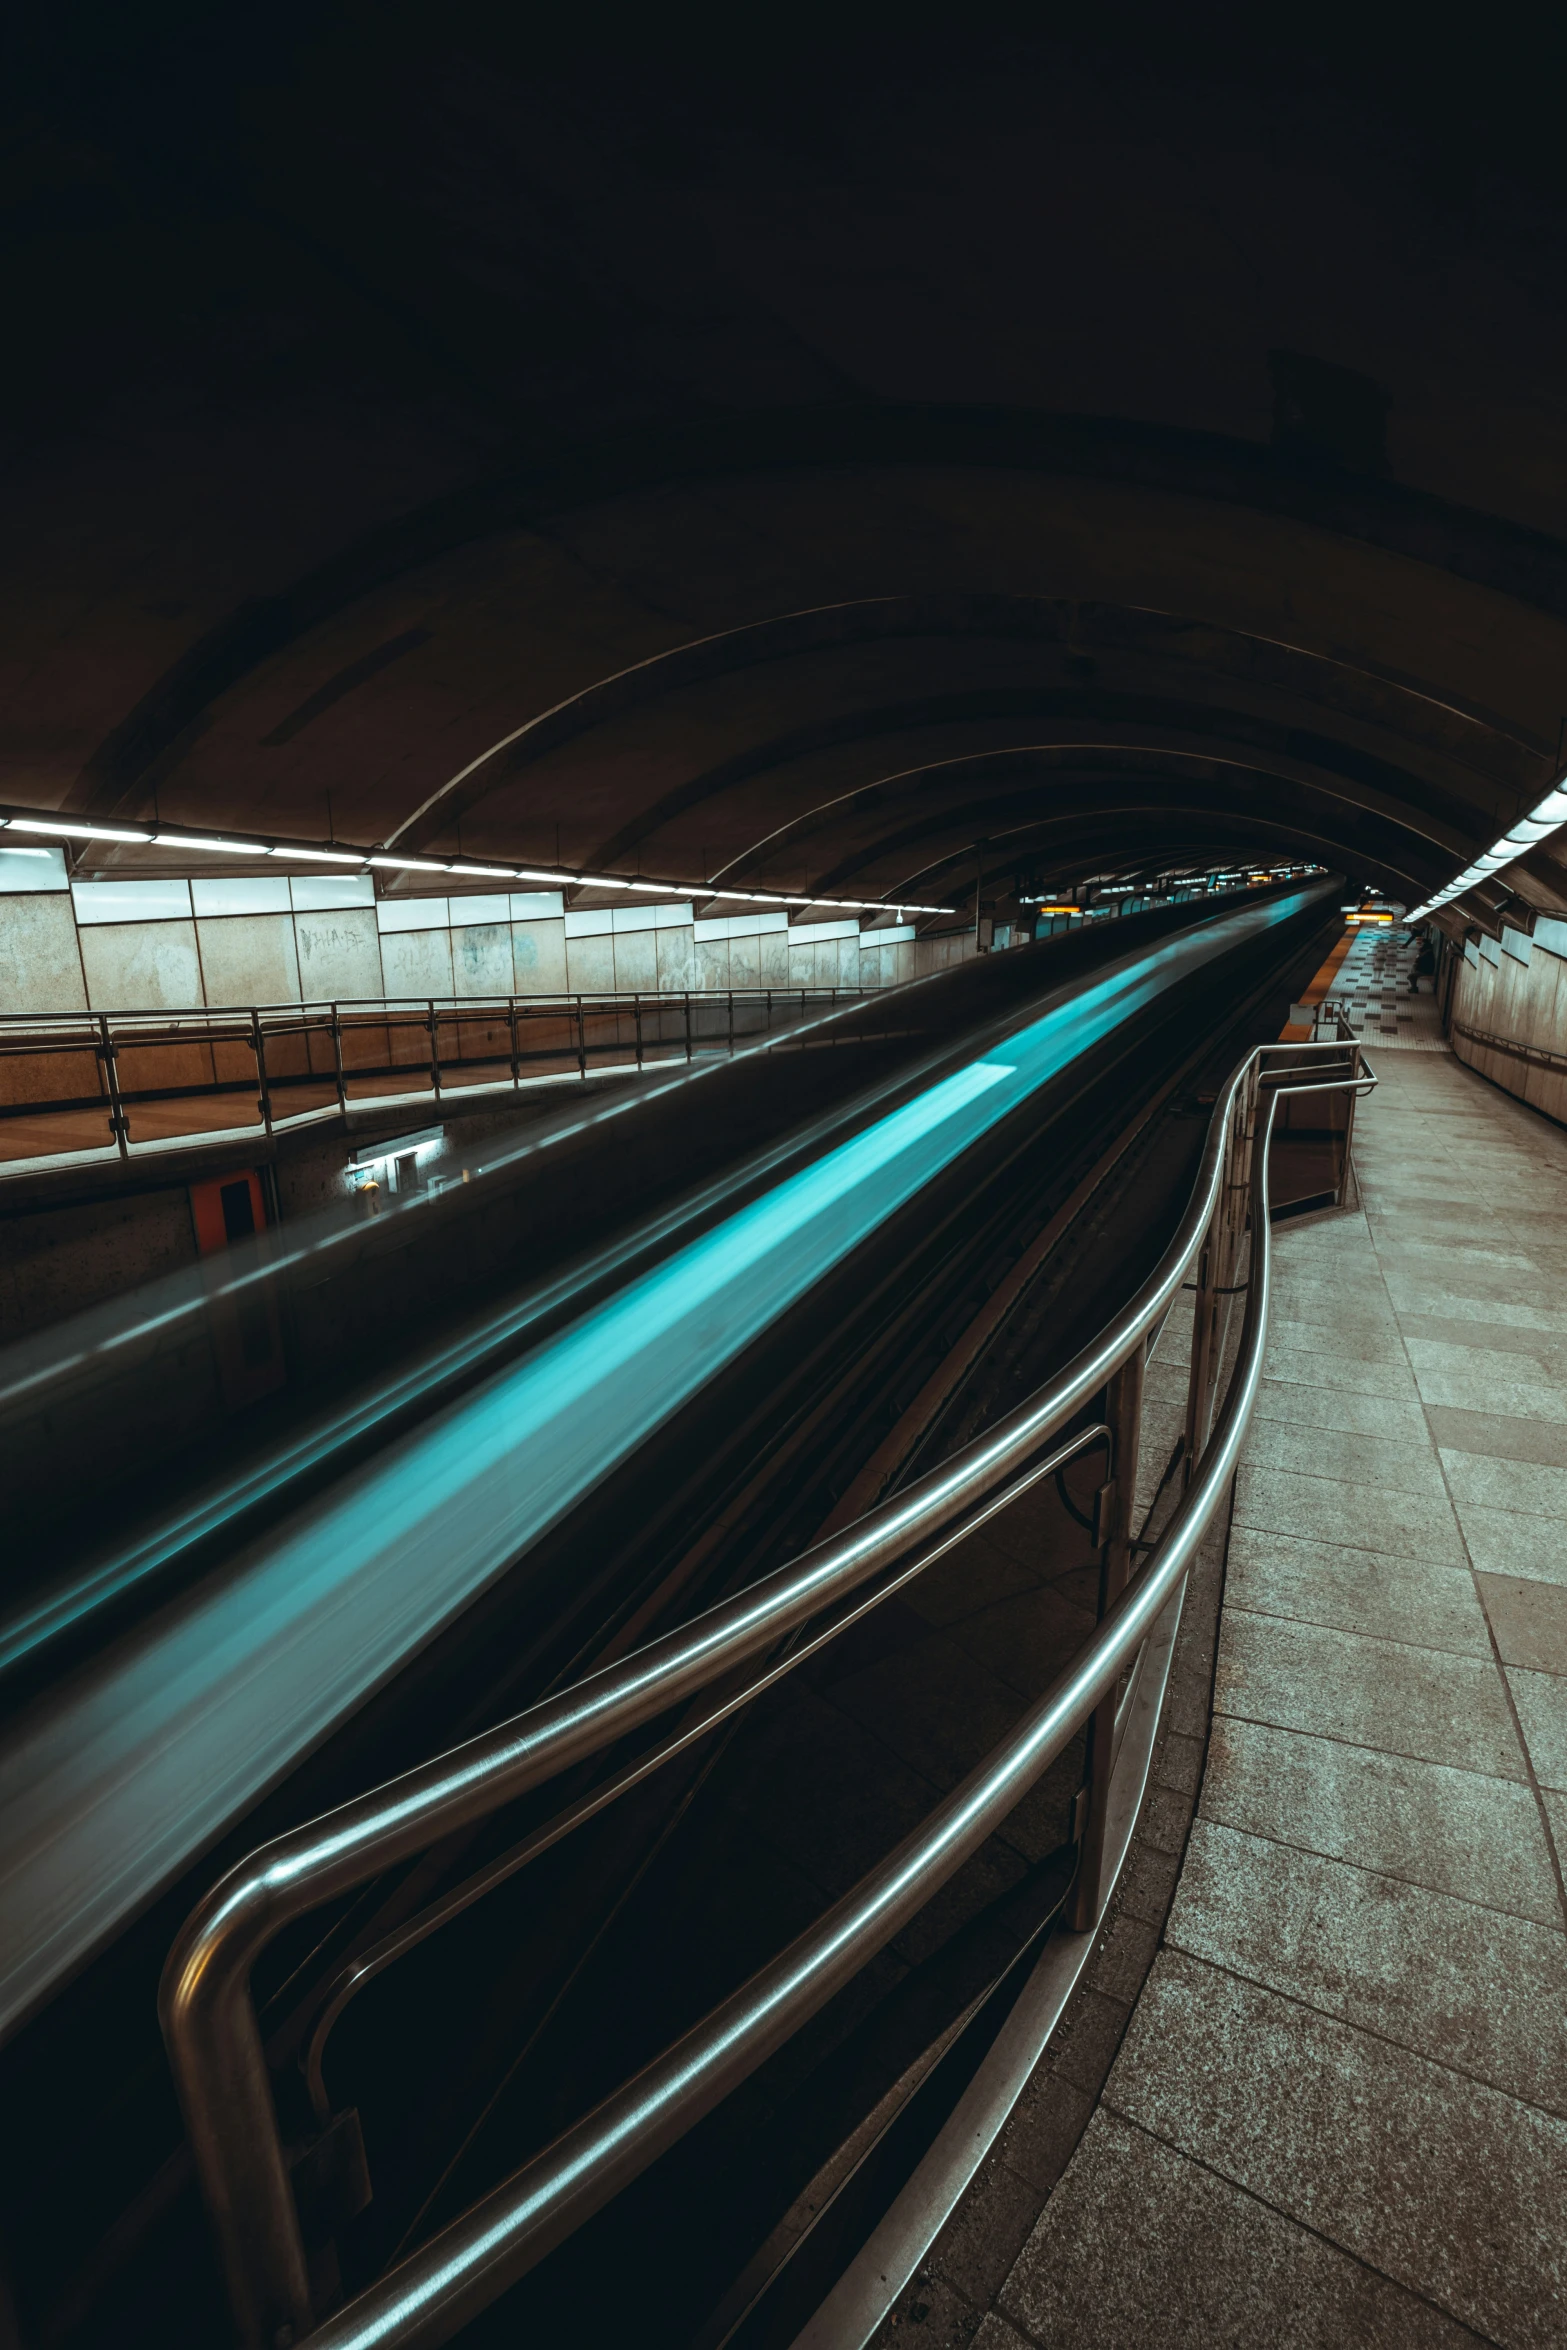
(121, 1078)
(712, 1667)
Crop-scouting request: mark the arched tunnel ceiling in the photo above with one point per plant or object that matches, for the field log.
(1012, 463)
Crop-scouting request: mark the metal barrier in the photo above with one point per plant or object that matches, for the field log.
(1512, 1048)
(209, 2017)
(276, 1064)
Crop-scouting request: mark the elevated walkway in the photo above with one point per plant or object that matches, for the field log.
(1321, 2097)
(81, 1089)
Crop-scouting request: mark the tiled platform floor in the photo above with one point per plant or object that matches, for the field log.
(1339, 2113)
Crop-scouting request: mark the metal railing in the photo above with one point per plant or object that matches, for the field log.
(1512, 1048)
(1330, 1023)
(277, 1064)
(744, 1644)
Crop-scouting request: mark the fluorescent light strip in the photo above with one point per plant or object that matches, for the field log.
(212, 843)
(74, 831)
(222, 848)
(1538, 825)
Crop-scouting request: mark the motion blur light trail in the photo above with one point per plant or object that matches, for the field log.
(119, 1780)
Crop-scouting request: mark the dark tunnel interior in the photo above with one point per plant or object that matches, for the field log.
(783, 1135)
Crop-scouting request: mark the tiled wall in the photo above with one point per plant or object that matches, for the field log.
(1517, 988)
(177, 945)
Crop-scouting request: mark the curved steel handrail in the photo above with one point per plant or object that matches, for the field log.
(209, 2019)
(363, 1969)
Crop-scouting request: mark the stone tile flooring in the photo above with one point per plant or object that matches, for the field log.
(1338, 2114)
(1371, 989)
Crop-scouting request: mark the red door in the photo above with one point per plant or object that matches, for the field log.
(242, 1316)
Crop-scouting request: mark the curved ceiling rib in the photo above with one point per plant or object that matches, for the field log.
(1201, 832)
(1102, 838)
(781, 747)
(863, 621)
(1033, 761)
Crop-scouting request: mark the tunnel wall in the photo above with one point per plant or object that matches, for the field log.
(175, 945)
(1509, 1013)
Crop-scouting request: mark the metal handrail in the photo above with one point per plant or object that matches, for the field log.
(352, 1978)
(209, 2018)
(231, 1022)
(581, 1015)
(1515, 1048)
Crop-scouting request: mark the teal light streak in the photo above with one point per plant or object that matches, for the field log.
(174, 1732)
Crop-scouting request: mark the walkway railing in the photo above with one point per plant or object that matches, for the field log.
(98, 1081)
(1512, 1048)
(744, 1645)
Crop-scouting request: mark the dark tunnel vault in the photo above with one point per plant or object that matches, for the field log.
(996, 453)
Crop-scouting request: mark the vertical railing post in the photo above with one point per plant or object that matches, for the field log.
(119, 1124)
(636, 1014)
(1352, 1099)
(516, 1055)
(731, 1020)
(688, 1023)
(1115, 1509)
(1243, 1144)
(435, 1050)
(337, 1061)
(1204, 1316)
(258, 1046)
(1217, 1265)
(582, 1041)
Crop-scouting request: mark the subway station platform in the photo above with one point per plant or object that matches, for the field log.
(1313, 2089)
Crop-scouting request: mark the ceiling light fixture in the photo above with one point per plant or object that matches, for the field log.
(68, 831)
(211, 840)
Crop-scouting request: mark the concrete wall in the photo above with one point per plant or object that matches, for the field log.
(1516, 990)
(178, 945)
(942, 952)
(56, 1261)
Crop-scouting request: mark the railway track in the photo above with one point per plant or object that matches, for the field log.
(470, 2051)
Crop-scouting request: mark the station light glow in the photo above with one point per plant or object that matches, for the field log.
(1188, 878)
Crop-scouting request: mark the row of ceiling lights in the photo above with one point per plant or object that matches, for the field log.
(34, 820)
(1526, 834)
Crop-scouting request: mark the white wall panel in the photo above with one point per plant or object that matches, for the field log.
(636, 960)
(40, 967)
(398, 914)
(142, 966)
(481, 958)
(417, 962)
(590, 964)
(265, 893)
(29, 871)
(249, 959)
(131, 901)
(339, 955)
(539, 957)
(320, 893)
